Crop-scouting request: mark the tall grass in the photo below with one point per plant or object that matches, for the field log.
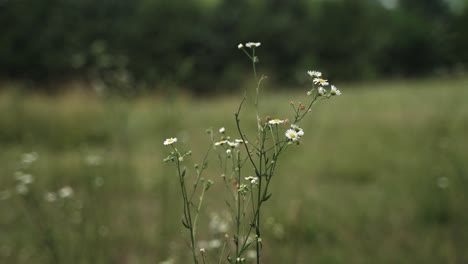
(382, 177)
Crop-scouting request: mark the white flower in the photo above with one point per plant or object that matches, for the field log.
(309, 93)
(334, 91)
(65, 192)
(320, 81)
(222, 130)
(228, 151)
(292, 135)
(321, 91)
(240, 141)
(170, 141)
(221, 142)
(24, 178)
(29, 158)
(233, 144)
(314, 73)
(275, 121)
(202, 250)
(298, 130)
(50, 197)
(240, 46)
(253, 44)
(252, 179)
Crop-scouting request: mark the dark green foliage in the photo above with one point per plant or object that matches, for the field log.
(192, 44)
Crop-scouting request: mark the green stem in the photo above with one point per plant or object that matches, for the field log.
(187, 211)
(202, 195)
(238, 206)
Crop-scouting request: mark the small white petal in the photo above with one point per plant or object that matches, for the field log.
(314, 73)
(335, 91)
(292, 135)
(275, 121)
(170, 141)
(322, 91)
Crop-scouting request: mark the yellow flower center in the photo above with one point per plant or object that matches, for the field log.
(292, 135)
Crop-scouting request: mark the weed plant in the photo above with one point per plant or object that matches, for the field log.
(248, 163)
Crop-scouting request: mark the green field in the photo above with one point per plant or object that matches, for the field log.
(381, 176)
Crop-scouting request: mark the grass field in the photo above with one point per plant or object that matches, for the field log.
(381, 176)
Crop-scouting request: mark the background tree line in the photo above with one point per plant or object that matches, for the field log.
(192, 44)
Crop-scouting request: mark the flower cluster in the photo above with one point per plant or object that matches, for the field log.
(63, 193)
(276, 121)
(249, 45)
(227, 143)
(294, 133)
(252, 179)
(170, 141)
(23, 180)
(322, 83)
(246, 195)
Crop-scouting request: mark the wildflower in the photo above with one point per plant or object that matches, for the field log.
(222, 142)
(202, 250)
(243, 189)
(321, 91)
(240, 141)
(320, 81)
(314, 73)
(65, 192)
(24, 178)
(228, 151)
(50, 197)
(233, 144)
(298, 130)
(252, 179)
(29, 158)
(275, 121)
(222, 130)
(334, 91)
(240, 260)
(170, 141)
(240, 46)
(292, 135)
(309, 93)
(253, 44)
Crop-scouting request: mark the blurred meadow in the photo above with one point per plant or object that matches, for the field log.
(381, 178)
(89, 90)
